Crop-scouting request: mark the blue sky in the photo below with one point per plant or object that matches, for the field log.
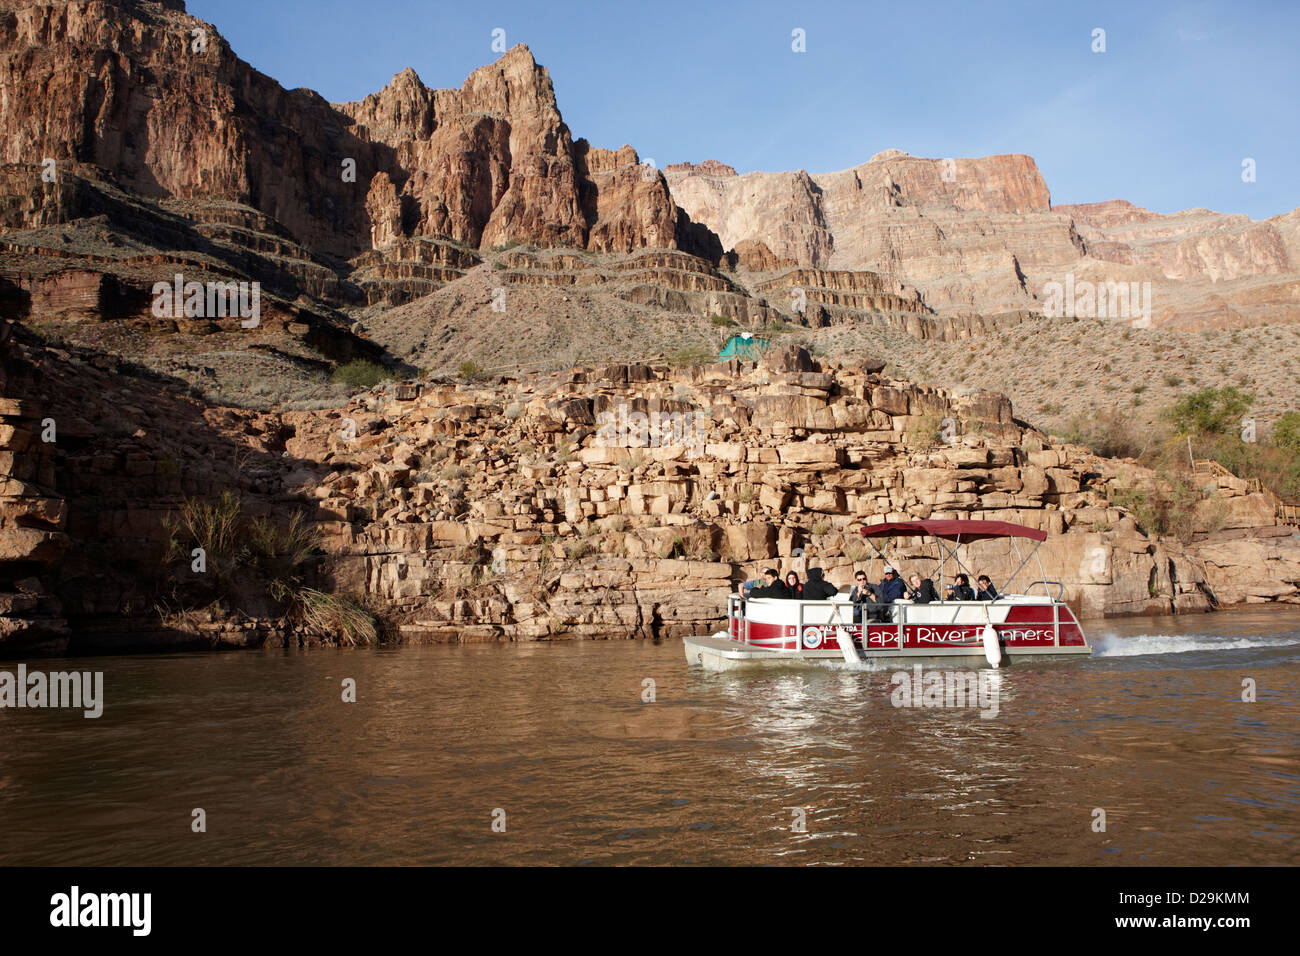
(1163, 118)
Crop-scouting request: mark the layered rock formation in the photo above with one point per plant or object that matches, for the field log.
(981, 235)
(158, 100)
(420, 227)
(622, 501)
(136, 145)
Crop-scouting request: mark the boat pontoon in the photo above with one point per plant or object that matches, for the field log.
(1013, 626)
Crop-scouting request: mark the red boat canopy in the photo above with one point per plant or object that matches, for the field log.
(951, 530)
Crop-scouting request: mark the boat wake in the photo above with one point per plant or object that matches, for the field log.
(1108, 645)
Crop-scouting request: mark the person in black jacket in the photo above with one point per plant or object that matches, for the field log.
(987, 591)
(772, 586)
(961, 590)
(817, 588)
(794, 587)
(922, 590)
(861, 593)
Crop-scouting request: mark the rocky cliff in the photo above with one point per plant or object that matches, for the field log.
(419, 227)
(611, 502)
(157, 99)
(981, 235)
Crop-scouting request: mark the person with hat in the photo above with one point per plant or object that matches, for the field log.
(889, 590)
(892, 588)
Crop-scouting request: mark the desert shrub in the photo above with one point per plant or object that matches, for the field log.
(1112, 434)
(284, 548)
(675, 549)
(1166, 508)
(359, 374)
(856, 550)
(337, 614)
(1286, 432)
(631, 459)
(1276, 466)
(926, 433)
(722, 321)
(213, 526)
(262, 559)
(691, 355)
(1209, 411)
(470, 371)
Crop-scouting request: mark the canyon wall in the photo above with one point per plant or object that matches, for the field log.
(981, 235)
(615, 502)
(157, 99)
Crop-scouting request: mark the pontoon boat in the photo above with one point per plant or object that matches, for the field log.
(1013, 626)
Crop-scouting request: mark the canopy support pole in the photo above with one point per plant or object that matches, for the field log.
(1007, 586)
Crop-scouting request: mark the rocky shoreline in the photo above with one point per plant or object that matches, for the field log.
(624, 501)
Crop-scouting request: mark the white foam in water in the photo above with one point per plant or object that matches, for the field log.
(1110, 645)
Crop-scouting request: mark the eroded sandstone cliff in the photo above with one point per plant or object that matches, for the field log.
(613, 502)
(981, 235)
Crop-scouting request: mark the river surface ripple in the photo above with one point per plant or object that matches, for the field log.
(717, 769)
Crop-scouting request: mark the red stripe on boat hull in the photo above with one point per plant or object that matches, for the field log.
(1027, 625)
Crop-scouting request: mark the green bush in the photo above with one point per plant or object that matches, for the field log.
(1212, 411)
(1277, 466)
(470, 371)
(722, 321)
(1167, 509)
(360, 374)
(215, 526)
(1111, 434)
(1286, 432)
(691, 355)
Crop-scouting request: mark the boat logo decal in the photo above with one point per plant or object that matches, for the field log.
(812, 637)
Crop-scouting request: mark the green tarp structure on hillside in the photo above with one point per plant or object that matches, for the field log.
(744, 346)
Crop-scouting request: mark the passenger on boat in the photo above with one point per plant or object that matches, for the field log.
(922, 590)
(793, 586)
(817, 588)
(987, 591)
(891, 588)
(861, 593)
(772, 586)
(961, 589)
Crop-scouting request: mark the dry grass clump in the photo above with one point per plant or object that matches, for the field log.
(340, 615)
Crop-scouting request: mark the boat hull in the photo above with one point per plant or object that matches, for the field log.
(724, 654)
(778, 633)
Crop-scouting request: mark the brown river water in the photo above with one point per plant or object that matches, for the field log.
(555, 742)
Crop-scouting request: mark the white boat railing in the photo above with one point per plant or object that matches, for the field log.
(1060, 589)
(900, 614)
